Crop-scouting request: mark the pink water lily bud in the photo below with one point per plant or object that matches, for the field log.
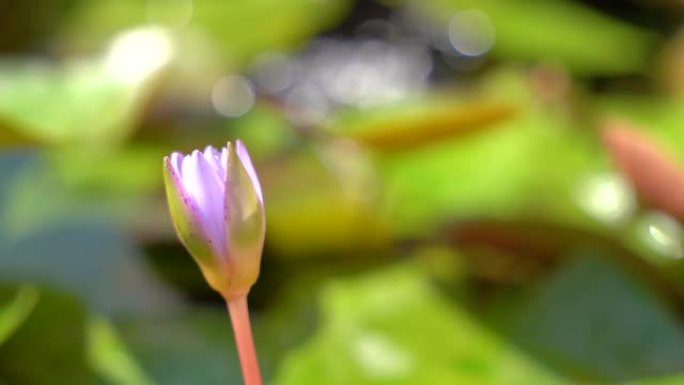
(655, 173)
(217, 209)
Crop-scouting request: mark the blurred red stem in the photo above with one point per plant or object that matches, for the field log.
(239, 316)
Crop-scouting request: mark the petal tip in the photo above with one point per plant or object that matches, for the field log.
(246, 161)
(167, 162)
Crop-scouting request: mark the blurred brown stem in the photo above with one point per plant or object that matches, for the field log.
(239, 316)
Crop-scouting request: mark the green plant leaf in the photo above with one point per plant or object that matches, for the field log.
(53, 340)
(393, 327)
(559, 31)
(14, 313)
(94, 102)
(598, 320)
(110, 357)
(193, 347)
(272, 24)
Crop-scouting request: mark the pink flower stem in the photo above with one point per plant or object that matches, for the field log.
(239, 316)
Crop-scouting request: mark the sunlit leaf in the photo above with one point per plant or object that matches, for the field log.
(93, 102)
(408, 126)
(271, 24)
(530, 166)
(394, 327)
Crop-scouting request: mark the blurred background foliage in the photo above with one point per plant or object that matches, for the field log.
(457, 191)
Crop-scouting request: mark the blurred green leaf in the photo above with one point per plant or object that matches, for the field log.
(663, 380)
(194, 347)
(394, 327)
(515, 156)
(265, 131)
(89, 259)
(416, 123)
(110, 357)
(599, 321)
(93, 102)
(657, 116)
(14, 313)
(53, 340)
(128, 173)
(116, 186)
(51, 234)
(529, 167)
(560, 31)
(314, 208)
(238, 28)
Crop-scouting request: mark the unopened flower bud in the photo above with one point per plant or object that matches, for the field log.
(217, 209)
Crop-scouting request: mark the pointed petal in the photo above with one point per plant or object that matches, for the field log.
(224, 156)
(207, 189)
(249, 167)
(187, 217)
(213, 157)
(245, 227)
(176, 159)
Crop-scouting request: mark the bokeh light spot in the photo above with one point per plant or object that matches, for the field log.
(233, 96)
(471, 33)
(662, 234)
(607, 198)
(381, 358)
(273, 72)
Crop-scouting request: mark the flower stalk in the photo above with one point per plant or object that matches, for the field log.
(242, 328)
(217, 209)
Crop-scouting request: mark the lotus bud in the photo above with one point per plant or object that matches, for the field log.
(217, 209)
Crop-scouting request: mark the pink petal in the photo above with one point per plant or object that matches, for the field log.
(224, 155)
(203, 184)
(212, 157)
(176, 159)
(249, 167)
(187, 216)
(245, 227)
